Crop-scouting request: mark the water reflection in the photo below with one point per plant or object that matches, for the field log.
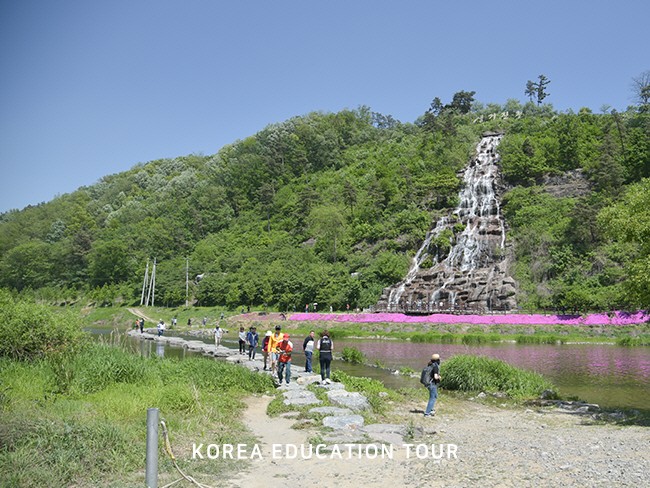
(611, 376)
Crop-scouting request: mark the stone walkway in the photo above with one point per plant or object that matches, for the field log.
(343, 417)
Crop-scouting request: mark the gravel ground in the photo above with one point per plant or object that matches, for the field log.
(493, 447)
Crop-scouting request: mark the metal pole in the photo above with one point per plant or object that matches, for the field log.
(153, 283)
(144, 285)
(187, 282)
(151, 476)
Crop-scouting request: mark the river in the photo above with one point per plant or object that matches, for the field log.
(611, 376)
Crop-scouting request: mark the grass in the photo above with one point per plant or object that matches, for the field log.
(478, 373)
(375, 391)
(643, 340)
(93, 431)
(539, 339)
(352, 355)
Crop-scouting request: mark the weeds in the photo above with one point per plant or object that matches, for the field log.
(477, 373)
(93, 429)
(353, 355)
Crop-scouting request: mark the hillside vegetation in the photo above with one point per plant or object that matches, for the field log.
(329, 208)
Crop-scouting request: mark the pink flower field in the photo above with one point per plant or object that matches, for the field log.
(612, 318)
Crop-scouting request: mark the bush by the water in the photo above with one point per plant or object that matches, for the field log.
(29, 330)
(537, 339)
(478, 373)
(643, 340)
(352, 355)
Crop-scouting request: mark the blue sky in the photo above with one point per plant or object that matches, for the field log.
(91, 88)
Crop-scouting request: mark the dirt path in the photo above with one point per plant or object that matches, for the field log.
(496, 447)
(326, 471)
(139, 313)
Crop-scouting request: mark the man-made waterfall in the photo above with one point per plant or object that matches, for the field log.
(462, 263)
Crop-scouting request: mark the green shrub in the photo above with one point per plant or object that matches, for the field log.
(537, 339)
(353, 355)
(478, 373)
(633, 341)
(29, 330)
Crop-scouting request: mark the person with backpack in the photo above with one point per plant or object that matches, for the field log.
(430, 377)
(325, 347)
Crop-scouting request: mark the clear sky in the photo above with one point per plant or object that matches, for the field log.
(91, 88)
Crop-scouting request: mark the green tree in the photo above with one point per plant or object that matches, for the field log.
(26, 266)
(537, 89)
(328, 225)
(108, 262)
(641, 90)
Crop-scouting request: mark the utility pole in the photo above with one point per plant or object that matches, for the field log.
(187, 282)
(153, 283)
(151, 294)
(144, 284)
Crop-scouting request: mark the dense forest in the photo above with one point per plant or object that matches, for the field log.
(330, 207)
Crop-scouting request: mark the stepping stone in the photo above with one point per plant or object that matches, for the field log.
(344, 422)
(331, 386)
(353, 400)
(308, 379)
(331, 411)
(300, 397)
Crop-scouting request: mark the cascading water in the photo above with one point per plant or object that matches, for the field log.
(473, 274)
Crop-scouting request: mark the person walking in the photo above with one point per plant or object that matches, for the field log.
(274, 341)
(284, 360)
(252, 339)
(430, 378)
(325, 347)
(161, 327)
(265, 348)
(218, 334)
(141, 326)
(308, 347)
(242, 340)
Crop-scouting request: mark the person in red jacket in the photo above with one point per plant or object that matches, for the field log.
(284, 361)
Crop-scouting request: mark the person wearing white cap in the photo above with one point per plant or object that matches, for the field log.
(430, 378)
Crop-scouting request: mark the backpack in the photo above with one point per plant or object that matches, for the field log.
(425, 376)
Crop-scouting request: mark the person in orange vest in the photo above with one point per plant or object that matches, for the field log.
(284, 361)
(274, 340)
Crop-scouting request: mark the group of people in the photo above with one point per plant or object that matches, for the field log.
(277, 350)
(139, 324)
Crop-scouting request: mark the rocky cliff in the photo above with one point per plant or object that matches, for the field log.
(463, 264)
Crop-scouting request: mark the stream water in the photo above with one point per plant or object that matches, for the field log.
(611, 376)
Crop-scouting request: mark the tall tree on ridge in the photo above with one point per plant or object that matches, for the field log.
(537, 89)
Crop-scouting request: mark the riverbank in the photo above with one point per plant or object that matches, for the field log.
(466, 444)
(479, 440)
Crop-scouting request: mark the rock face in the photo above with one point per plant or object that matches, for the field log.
(463, 263)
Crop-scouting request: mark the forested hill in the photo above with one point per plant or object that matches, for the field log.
(329, 208)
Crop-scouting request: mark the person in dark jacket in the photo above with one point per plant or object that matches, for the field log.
(433, 385)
